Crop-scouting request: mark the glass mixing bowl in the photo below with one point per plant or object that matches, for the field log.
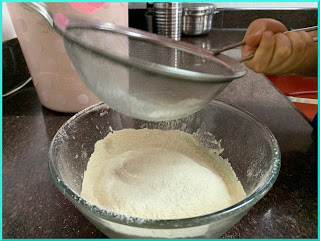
(248, 144)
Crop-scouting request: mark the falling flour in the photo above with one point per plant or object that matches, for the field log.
(159, 175)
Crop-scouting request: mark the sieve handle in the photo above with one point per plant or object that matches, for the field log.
(42, 9)
(232, 46)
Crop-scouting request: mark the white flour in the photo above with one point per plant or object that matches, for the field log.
(160, 175)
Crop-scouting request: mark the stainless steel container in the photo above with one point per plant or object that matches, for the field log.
(149, 17)
(168, 19)
(197, 18)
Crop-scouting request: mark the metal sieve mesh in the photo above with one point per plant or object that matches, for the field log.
(150, 52)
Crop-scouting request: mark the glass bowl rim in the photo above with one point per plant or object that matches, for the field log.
(173, 223)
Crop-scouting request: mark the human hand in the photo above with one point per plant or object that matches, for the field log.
(279, 53)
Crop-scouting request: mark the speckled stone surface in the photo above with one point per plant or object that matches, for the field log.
(34, 208)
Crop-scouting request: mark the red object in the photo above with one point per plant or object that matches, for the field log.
(298, 86)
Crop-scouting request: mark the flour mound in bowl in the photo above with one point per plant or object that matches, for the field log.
(159, 175)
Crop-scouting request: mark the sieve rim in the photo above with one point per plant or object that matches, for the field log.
(235, 69)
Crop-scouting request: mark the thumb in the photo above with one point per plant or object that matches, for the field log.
(252, 43)
(254, 39)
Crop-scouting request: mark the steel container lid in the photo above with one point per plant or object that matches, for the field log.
(167, 5)
(198, 8)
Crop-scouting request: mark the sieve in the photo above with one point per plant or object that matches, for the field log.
(141, 74)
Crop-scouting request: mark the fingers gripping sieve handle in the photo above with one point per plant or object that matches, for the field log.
(315, 39)
(232, 46)
(41, 9)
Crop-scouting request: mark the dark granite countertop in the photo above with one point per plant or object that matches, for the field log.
(34, 208)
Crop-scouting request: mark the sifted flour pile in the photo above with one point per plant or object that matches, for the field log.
(160, 175)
